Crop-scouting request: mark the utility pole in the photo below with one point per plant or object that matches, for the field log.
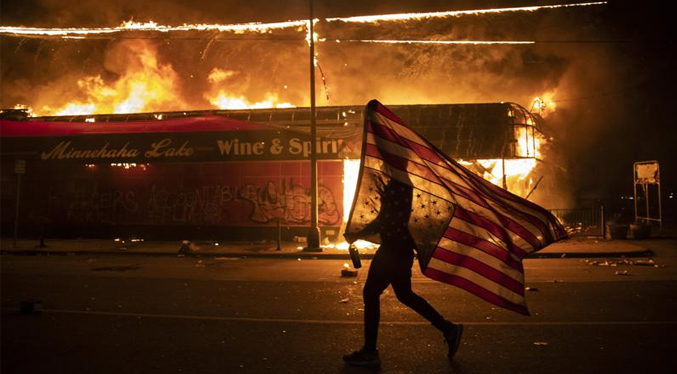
(314, 232)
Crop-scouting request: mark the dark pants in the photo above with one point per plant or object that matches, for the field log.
(395, 269)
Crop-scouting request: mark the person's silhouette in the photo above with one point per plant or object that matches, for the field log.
(391, 265)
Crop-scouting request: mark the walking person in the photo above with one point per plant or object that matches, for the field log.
(391, 265)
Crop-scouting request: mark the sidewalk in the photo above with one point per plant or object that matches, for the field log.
(571, 248)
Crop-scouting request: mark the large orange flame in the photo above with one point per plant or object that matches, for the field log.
(146, 85)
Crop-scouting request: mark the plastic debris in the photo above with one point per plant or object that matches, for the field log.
(541, 344)
(344, 301)
(622, 272)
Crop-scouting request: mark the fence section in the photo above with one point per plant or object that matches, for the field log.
(582, 222)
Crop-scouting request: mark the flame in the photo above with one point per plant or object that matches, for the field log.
(225, 101)
(79, 33)
(351, 172)
(146, 86)
(518, 173)
(25, 108)
(441, 42)
(222, 99)
(457, 13)
(543, 105)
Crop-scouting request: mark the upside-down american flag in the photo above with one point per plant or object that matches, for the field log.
(468, 232)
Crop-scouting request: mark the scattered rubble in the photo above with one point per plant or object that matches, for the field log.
(624, 262)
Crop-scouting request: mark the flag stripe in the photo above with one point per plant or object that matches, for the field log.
(481, 269)
(492, 227)
(475, 290)
(489, 285)
(480, 232)
(483, 245)
(487, 259)
(488, 211)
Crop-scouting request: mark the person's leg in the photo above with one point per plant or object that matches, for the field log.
(452, 332)
(402, 286)
(377, 282)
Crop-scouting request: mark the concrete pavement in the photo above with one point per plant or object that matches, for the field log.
(570, 248)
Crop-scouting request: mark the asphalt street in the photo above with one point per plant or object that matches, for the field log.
(138, 314)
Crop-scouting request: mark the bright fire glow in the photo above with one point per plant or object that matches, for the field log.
(456, 13)
(543, 105)
(147, 26)
(225, 101)
(518, 171)
(351, 172)
(147, 85)
(220, 98)
(438, 42)
(72, 32)
(359, 244)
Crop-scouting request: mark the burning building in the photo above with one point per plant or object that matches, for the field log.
(229, 174)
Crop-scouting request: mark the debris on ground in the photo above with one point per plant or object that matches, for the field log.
(533, 289)
(541, 344)
(344, 301)
(348, 273)
(622, 272)
(225, 258)
(624, 262)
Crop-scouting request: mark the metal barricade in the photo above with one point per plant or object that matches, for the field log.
(582, 222)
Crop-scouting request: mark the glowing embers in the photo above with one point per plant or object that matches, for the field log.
(128, 166)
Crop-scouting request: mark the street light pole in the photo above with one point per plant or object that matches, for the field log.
(314, 232)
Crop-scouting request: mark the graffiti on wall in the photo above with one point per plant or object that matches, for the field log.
(202, 205)
(94, 206)
(289, 204)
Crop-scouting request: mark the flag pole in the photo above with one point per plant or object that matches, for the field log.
(314, 232)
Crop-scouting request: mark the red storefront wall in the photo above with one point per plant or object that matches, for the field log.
(232, 200)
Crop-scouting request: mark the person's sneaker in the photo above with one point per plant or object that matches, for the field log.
(453, 338)
(363, 358)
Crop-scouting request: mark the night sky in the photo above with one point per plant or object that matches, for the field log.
(611, 66)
